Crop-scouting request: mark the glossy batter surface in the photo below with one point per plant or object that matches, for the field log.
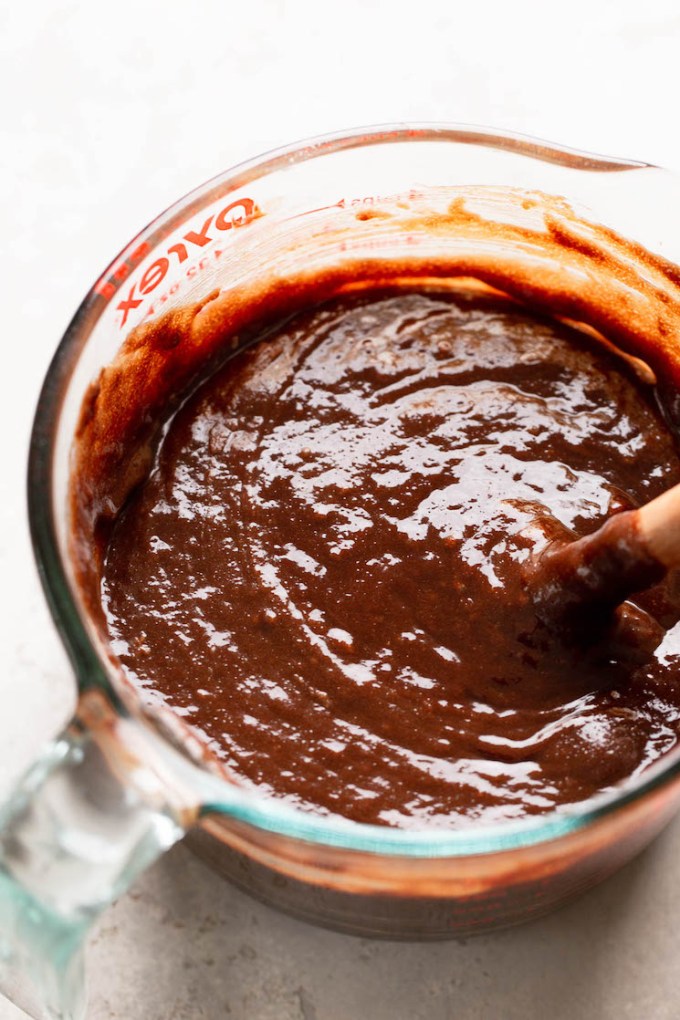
(323, 572)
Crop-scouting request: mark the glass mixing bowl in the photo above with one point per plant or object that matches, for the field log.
(125, 780)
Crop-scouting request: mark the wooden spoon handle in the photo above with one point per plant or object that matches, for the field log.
(658, 526)
(573, 582)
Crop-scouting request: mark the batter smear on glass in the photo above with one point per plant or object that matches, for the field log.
(323, 572)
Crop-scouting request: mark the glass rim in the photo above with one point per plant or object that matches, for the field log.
(266, 812)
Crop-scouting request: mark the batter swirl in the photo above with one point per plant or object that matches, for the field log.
(323, 571)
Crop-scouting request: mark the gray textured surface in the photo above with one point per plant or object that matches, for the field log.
(205, 950)
(109, 113)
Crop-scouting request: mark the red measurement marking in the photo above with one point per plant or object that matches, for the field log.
(234, 214)
(192, 270)
(399, 196)
(107, 287)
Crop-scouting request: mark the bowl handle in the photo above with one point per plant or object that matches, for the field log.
(93, 812)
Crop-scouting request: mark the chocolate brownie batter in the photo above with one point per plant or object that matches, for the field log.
(325, 571)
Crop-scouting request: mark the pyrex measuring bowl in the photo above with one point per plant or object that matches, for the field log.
(126, 780)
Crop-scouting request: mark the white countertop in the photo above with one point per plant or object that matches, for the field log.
(109, 114)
